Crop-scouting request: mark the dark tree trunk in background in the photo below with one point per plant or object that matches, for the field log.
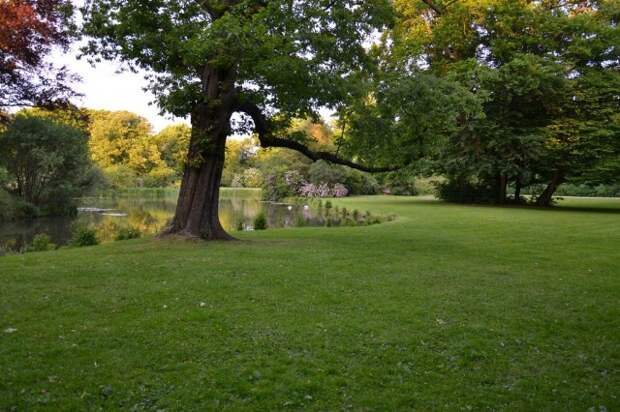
(197, 213)
(518, 185)
(547, 195)
(502, 181)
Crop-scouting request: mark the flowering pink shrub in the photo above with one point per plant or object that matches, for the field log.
(307, 190)
(322, 190)
(294, 179)
(340, 190)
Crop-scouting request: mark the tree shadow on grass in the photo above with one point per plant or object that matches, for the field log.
(605, 206)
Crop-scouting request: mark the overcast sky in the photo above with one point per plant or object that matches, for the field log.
(104, 88)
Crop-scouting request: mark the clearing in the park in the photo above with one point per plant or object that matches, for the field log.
(445, 308)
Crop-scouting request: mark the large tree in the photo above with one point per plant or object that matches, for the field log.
(272, 61)
(29, 30)
(546, 73)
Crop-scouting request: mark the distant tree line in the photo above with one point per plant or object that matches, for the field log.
(49, 157)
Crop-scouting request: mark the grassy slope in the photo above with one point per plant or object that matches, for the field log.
(448, 307)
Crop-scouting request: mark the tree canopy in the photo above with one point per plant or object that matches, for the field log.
(272, 61)
(538, 85)
(29, 30)
(47, 162)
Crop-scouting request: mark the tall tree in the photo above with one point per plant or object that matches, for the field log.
(29, 30)
(538, 68)
(270, 60)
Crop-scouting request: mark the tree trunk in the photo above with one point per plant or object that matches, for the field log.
(502, 181)
(197, 214)
(547, 195)
(518, 184)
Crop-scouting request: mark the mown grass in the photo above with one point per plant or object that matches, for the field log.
(447, 308)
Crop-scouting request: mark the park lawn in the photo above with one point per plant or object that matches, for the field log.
(448, 307)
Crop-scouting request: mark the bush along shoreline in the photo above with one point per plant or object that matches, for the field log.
(81, 236)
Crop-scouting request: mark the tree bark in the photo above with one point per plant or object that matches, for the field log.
(197, 214)
(546, 196)
(502, 181)
(518, 185)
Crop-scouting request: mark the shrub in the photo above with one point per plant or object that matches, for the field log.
(159, 176)
(41, 243)
(275, 187)
(340, 190)
(237, 181)
(301, 221)
(463, 191)
(83, 236)
(360, 183)
(428, 185)
(119, 176)
(46, 161)
(324, 172)
(252, 177)
(400, 184)
(127, 233)
(25, 210)
(260, 222)
(568, 189)
(6, 206)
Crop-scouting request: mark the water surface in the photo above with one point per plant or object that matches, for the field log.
(149, 211)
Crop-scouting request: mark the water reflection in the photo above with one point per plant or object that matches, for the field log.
(149, 214)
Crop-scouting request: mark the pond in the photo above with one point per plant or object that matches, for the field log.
(150, 211)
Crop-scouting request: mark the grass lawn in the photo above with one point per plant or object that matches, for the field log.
(446, 308)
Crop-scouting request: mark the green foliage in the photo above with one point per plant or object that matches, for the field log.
(356, 182)
(119, 138)
(41, 243)
(127, 233)
(75, 117)
(173, 143)
(120, 176)
(542, 77)
(6, 206)
(426, 186)
(47, 164)
(251, 178)
(240, 155)
(260, 221)
(466, 191)
(83, 236)
(588, 190)
(291, 57)
(22, 210)
(323, 172)
(401, 183)
(123, 146)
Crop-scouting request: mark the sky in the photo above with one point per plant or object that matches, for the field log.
(104, 88)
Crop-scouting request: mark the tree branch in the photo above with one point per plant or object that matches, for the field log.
(433, 6)
(267, 139)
